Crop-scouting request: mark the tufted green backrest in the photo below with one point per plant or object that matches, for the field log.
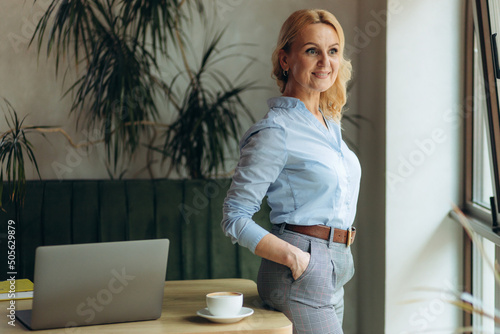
(188, 212)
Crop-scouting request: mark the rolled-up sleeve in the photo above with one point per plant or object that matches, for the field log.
(262, 158)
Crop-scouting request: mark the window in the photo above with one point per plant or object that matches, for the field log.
(484, 286)
(482, 155)
(482, 189)
(481, 102)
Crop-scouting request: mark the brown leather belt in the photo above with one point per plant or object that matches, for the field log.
(323, 232)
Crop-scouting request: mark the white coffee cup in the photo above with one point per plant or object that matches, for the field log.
(224, 304)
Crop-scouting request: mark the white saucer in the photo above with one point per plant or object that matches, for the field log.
(244, 312)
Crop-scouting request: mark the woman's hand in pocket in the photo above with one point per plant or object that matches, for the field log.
(301, 264)
(274, 249)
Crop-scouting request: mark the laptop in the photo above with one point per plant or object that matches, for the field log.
(97, 283)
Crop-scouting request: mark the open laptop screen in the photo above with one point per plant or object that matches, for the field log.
(98, 283)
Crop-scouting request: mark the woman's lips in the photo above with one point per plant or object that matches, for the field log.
(321, 75)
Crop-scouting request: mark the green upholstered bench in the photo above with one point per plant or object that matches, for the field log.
(188, 212)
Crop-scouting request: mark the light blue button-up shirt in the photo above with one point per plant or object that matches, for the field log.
(307, 171)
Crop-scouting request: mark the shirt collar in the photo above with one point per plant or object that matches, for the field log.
(294, 103)
(285, 102)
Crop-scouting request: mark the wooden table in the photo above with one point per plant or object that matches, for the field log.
(182, 299)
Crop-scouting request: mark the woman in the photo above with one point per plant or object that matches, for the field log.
(296, 156)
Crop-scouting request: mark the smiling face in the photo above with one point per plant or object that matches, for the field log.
(312, 61)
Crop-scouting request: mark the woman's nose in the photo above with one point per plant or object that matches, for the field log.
(323, 59)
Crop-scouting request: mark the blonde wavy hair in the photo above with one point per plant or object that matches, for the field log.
(334, 99)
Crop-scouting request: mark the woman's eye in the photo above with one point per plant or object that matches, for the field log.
(311, 51)
(334, 51)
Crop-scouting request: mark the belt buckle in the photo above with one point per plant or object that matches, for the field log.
(349, 237)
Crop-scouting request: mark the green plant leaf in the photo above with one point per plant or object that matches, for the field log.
(14, 144)
(116, 41)
(208, 124)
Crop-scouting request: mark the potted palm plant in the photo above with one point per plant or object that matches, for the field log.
(208, 125)
(115, 47)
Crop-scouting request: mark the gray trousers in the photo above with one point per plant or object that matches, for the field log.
(314, 302)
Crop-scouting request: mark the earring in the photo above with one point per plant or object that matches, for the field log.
(285, 73)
